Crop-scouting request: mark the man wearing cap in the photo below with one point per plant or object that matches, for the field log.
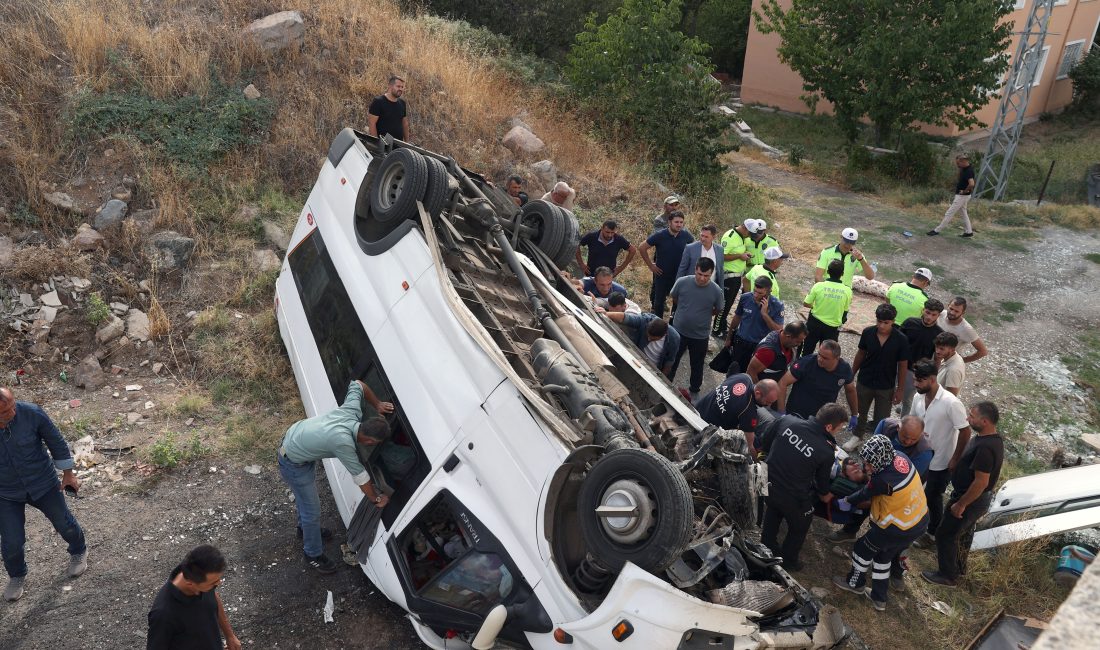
(846, 252)
(964, 187)
(604, 246)
(672, 204)
(828, 302)
(736, 256)
(760, 242)
(669, 245)
(951, 320)
(899, 515)
(329, 435)
(909, 297)
(757, 313)
(704, 248)
(773, 259)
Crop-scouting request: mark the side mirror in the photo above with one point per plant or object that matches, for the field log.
(494, 622)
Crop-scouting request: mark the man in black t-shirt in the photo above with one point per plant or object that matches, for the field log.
(604, 246)
(187, 613)
(732, 404)
(972, 484)
(815, 380)
(388, 113)
(964, 187)
(921, 332)
(880, 367)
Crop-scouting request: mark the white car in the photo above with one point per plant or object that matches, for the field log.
(547, 485)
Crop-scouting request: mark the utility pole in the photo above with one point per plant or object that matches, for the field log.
(1005, 134)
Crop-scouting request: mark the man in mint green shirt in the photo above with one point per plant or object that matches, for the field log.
(330, 435)
(909, 297)
(829, 303)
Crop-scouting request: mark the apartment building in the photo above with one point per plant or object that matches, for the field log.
(1071, 32)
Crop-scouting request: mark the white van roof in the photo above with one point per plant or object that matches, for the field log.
(1048, 487)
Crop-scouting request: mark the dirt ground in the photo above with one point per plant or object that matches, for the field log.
(1031, 297)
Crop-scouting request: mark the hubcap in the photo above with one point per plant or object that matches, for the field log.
(626, 512)
(393, 183)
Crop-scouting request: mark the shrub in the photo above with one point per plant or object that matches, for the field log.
(914, 162)
(1086, 81)
(859, 159)
(724, 26)
(796, 154)
(96, 311)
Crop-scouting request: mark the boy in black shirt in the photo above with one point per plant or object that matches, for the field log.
(964, 186)
(388, 113)
(187, 613)
(880, 366)
(972, 484)
(921, 332)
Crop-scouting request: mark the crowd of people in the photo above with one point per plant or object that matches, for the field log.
(784, 375)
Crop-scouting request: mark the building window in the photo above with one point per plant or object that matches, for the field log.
(1021, 77)
(1071, 56)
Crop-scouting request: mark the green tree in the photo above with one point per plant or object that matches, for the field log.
(724, 26)
(895, 62)
(1086, 81)
(643, 79)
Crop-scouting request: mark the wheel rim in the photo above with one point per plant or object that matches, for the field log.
(626, 512)
(392, 185)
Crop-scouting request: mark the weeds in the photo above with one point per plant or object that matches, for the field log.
(1093, 257)
(96, 312)
(168, 452)
(191, 404)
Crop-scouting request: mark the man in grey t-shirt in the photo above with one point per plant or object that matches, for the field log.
(696, 300)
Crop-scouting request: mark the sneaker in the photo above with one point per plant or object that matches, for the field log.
(932, 233)
(967, 234)
(78, 564)
(937, 578)
(326, 534)
(14, 590)
(841, 536)
(879, 605)
(842, 582)
(897, 583)
(322, 563)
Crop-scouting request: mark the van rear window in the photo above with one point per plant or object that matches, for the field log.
(337, 330)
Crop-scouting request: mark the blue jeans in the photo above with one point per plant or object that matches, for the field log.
(302, 479)
(13, 535)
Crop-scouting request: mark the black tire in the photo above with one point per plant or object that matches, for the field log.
(438, 191)
(399, 184)
(671, 510)
(570, 240)
(735, 487)
(549, 222)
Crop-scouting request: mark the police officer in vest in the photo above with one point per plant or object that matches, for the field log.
(899, 515)
(776, 352)
(800, 455)
(909, 297)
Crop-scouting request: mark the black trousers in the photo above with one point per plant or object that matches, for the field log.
(879, 553)
(816, 332)
(798, 511)
(662, 285)
(742, 354)
(955, 534)
(731, 286)
(697, 354)
(934, 486)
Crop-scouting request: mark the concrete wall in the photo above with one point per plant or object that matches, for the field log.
(768, 81)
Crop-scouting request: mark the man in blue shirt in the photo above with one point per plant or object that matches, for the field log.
(757, 313)
(602, 284)
(28, 477)
(604, 246)
(669, 244)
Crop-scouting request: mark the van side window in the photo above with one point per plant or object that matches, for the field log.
(336, 327)
(399, 464)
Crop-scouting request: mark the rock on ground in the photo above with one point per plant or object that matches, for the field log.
(7, 248)
(265, 260)
(63, 201)
(275, 235)
(137, 325)
(88, 374)
(546, 172)
(111, 214)
(276, 32)
(110, 330)
(144, 220)
(522, 142)
(170, 249)
(87, 238)
(251, 92)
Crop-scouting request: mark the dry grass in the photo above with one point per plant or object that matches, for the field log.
(38, 263)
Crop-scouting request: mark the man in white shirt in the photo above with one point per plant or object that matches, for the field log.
(952, 371)
(951, 320)
(948, 432)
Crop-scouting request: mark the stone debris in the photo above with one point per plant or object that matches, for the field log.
(84, 454)
(522, 142)
(110, 330)
(110, 214)
(7, 249)
(63, 201)
(169, 249)
(265, 260)
(251, 92)
(275, 235)
(133, 418)
(86, 238)
(88, 374)
(149, 405)
(157, 367)
(26, 299)
(74, 403)
(546, 172)
(122, 193)
(50, 299)
(120, 308)
(252, 469)
(189, 422)
(276, 32)
(137, 325)
(47, 314)
(133, 387)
